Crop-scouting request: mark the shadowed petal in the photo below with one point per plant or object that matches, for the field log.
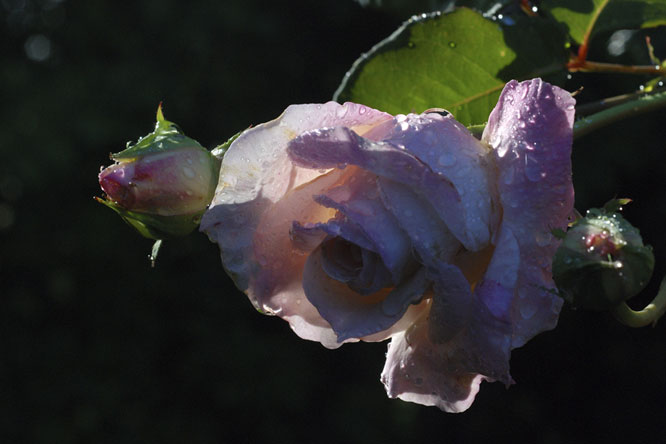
(530, 131)
(442, 359)
(429, 236)
(417, 371)
(358, 199)
(351, 314)
(449, 150)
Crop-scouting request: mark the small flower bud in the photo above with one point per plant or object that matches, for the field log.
(602, 261)
(162, 184)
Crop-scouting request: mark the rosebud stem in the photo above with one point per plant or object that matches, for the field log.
(649, 315)
(631, 108)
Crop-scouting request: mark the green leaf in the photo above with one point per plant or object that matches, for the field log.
(405, 8)
(459, 61)
(590, 17)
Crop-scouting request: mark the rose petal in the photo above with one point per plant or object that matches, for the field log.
(353, 315)
(415, 371)
(260, 192)
(362, 270)
(531, 133)
(445, 355)
(429, 236)
(358, 199)
(451, 304)
(451, 151)
(338, 147)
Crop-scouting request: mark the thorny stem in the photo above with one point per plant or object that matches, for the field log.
(649, 315)
(600, 105)
(631, 108)
(587, 66)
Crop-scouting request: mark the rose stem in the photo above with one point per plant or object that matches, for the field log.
(631, 108)
(649, 315)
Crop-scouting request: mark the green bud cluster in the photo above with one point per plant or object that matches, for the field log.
(602, 261)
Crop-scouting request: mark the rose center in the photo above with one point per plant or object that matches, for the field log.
(362, 270)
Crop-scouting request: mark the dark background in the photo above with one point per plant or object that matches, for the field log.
(95, 346)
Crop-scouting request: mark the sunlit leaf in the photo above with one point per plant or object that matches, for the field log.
(459, 61)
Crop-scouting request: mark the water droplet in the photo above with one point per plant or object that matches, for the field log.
(341, 112)
(411, 45)
(533, 169)
(452, 45)
(542, 238)
(527, 310)
(569, 76)
(447, 159)
(188, 172)
(362, 110)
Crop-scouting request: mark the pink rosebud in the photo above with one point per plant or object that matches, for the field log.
(176, 182)
(161, 185)
(352, 224)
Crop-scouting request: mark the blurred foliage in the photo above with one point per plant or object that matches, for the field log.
(598, 16)
(98, 347)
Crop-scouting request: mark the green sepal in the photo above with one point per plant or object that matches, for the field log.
(166, 136)
(154, 252)
(615, 205)
(155, 226)
(558, 233)
(477, 130)
(220, 150)
(602, 285)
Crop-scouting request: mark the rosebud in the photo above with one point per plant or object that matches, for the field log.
(602, 260)
(162, 184)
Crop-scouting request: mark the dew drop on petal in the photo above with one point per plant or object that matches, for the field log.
(447, 159)
(341, 112)
(533, 169)
(542, 238)
(527, 310)
(188, 172)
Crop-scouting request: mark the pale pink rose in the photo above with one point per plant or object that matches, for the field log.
(352, 224)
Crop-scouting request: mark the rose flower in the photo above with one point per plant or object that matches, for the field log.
(352, 224)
